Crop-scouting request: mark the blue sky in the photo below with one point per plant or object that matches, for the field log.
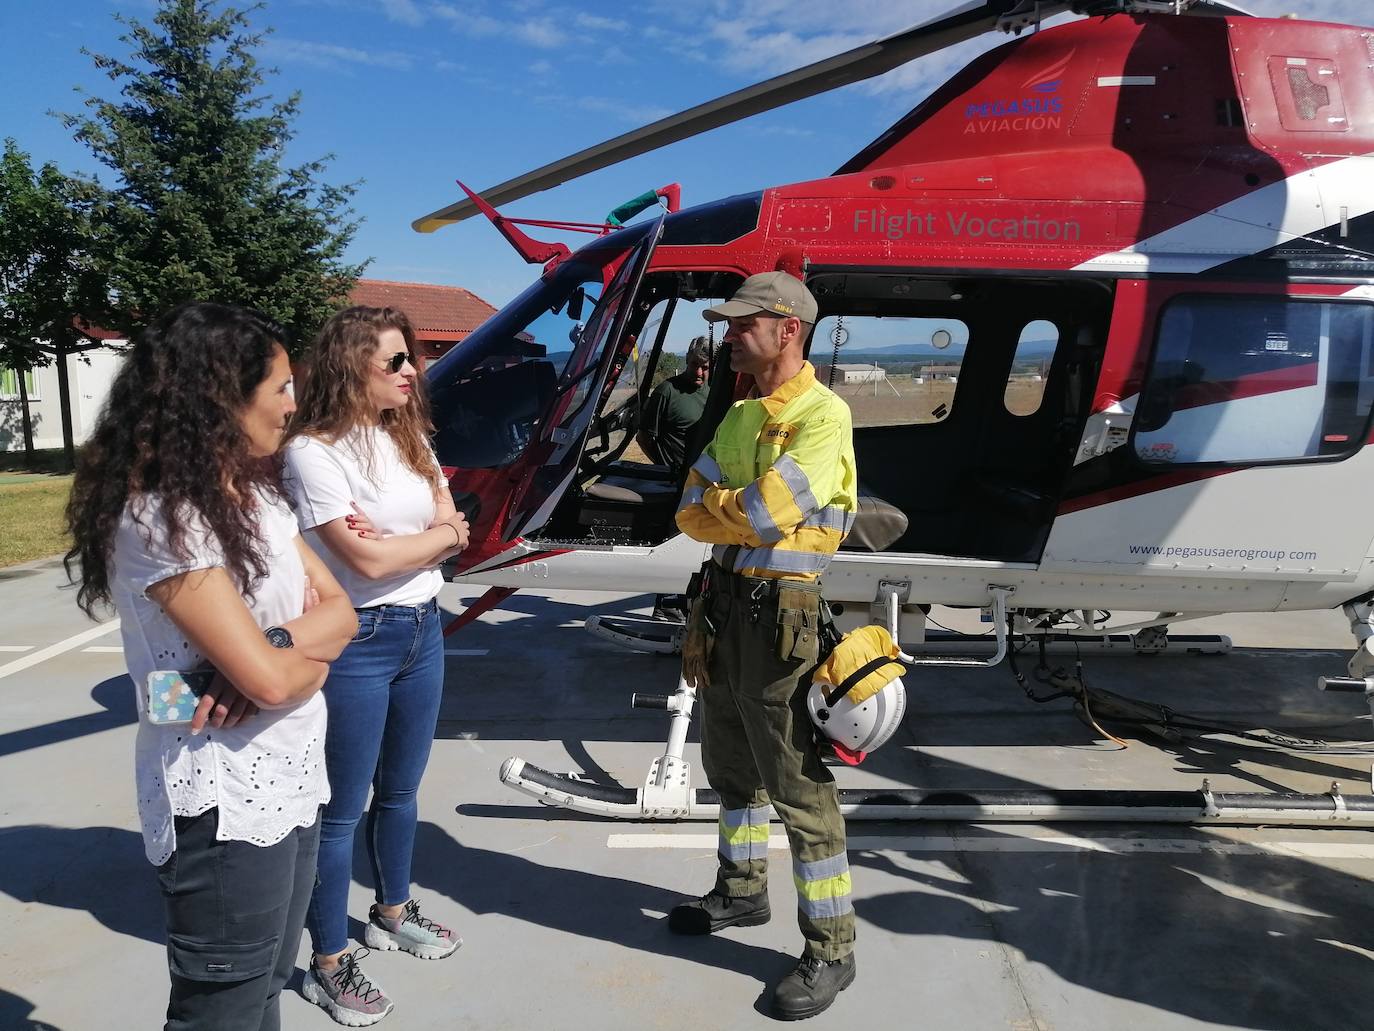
(411, 94)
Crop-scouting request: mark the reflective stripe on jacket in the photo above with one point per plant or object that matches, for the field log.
(777, 482)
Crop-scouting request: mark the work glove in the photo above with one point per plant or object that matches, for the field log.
(696, 646)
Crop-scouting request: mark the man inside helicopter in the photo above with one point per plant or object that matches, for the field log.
(775, 492)
(674, 407)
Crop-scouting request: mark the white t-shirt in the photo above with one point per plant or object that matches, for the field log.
(326, 478)
(267, 774)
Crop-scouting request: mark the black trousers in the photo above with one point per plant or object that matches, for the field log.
(234, 916)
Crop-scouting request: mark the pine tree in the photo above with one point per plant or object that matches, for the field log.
(204, 208)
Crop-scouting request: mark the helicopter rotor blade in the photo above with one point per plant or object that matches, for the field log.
(864, 62)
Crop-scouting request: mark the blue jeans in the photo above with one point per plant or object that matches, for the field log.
(383, 697)
(234, 915)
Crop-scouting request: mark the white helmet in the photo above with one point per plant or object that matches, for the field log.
(857, 698)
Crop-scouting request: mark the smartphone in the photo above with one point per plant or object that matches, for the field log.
(172, 694)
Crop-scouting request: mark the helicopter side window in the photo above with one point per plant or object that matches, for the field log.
(1257, 379)
(1030, 367)
(892, 371)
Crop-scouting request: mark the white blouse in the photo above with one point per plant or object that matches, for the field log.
(366, 468)
(266, 775)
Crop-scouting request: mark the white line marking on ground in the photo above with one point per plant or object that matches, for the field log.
(465, 651)
(1348, 947)
(106, 648)
(1012, 843)
(75, 641)
(16, 647)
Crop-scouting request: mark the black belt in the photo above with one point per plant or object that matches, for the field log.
(720, 580)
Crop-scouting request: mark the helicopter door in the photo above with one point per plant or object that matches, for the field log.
(511, 402)
(1246, 455)
(574, 403)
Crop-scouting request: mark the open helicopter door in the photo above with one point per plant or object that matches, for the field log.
(514, 402)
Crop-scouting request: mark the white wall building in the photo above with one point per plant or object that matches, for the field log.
(852, 374)
(937, 374)
(89, 375)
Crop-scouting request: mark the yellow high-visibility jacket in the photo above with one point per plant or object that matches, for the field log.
(777, 481)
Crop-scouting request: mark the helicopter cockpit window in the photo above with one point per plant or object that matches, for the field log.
(1257, 379)
(1030, 367)
(892, 371)
(490, 391)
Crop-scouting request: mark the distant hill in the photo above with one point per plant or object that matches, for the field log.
(1031, 350)
(820, 353)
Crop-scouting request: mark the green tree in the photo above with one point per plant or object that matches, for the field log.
(204, 208)
(669, 365)
(48, 282)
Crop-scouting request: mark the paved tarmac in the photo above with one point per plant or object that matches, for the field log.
(1018, 927)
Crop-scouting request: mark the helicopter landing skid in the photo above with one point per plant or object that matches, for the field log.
(664, 637)
(667, 794)
(639, 633)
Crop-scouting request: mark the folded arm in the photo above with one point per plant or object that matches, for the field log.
(376, 557)
(773, 506)
(323, 630)
(206, 606)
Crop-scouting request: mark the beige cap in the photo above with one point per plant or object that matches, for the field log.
(773, 293)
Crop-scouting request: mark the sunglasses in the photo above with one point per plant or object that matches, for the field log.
(395, 362)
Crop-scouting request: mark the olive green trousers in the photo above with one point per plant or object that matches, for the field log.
(758, 747)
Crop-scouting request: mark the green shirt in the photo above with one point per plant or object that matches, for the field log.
(669, 417)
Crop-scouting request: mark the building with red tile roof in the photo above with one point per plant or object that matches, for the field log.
(441, 315)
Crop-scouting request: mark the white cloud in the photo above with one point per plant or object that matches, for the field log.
(541, 68)
(596, 23)
(329, 55)
(539, 32)
(622, 111)
(404, 11)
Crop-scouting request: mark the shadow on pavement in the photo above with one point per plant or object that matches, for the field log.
(1257, 942)
(102, 870)
(116, 700)
(579, 903)
(15, 1013)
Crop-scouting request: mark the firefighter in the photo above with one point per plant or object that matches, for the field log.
(775, 492)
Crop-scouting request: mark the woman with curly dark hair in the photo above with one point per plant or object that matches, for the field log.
(371, 495)
(180, 522)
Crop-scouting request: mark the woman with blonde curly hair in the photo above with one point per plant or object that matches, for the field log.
(371, 495)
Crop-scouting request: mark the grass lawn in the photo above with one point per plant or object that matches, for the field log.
(31, 520)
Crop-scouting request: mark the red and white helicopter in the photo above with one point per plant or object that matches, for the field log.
(1104, 308)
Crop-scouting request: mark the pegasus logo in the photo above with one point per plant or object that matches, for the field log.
(1048, 80)
(1036, 108)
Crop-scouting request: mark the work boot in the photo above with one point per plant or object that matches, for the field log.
(812, 987)
(715, 912)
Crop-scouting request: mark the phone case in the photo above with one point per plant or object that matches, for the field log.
(172, 695)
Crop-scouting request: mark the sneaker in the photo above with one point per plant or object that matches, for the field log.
(345, 993)
(812, 987)
(714, 912)
(410, 932)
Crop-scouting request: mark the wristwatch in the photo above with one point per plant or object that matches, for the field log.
(279, 637)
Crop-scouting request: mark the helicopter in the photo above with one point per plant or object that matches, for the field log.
(1102, 306)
